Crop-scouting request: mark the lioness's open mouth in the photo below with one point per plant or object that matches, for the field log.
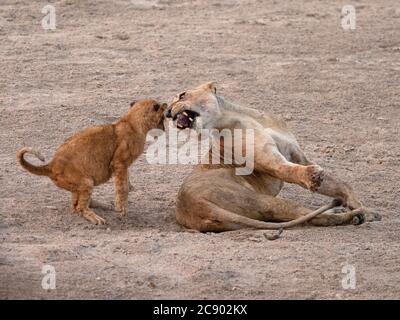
(186, 119)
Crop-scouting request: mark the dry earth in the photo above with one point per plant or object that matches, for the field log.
(338, 90)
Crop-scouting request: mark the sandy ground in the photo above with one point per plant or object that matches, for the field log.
(339, 91)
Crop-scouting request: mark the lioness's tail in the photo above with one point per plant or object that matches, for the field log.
(238, 220)
(38, 170)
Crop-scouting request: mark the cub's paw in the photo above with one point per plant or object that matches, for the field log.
(122, 211)
(93, 218)
(314, 177)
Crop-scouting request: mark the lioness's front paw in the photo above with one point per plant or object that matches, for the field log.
(314, 177)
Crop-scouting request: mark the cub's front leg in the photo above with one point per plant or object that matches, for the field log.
(121, 191)
(121, 187)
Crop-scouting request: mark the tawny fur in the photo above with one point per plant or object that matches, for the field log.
(92, 156)
(214, 198)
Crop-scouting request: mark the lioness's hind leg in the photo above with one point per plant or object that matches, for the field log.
(278, 209)
(338, 189)
(335, 188)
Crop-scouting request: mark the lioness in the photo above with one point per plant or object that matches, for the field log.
(92, 156)
(214, 198)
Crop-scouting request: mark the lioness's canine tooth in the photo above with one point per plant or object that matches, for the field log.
(185, 113)
(191, 119)
(179, 126)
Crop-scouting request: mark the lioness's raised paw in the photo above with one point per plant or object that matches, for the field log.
(314, 177)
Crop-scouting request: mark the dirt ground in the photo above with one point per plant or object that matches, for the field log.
(338, 90)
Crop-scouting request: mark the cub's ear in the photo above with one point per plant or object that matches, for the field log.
(133, 103)
(209, 86)
(156, 106)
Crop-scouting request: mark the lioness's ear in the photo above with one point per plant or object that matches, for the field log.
(209, 86)
(133, 103)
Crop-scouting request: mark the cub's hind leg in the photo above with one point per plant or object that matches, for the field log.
(84, 196)
(92, 204)
(74, 200)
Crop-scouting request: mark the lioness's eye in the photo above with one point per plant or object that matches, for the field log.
(182, 95)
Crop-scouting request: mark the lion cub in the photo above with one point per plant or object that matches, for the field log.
(92, 156)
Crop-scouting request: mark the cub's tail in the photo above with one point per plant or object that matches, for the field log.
(38, 170)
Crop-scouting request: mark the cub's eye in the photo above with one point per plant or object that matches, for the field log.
(182, 95)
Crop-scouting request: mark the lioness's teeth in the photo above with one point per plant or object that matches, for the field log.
(179, 126)
(191, 119)
(185, 113)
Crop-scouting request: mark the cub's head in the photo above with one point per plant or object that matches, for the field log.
(195, 108)
(148, 112)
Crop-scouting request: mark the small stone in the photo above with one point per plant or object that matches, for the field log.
(122, 37)
(260, 22)
(288, 117)
(254, 239)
